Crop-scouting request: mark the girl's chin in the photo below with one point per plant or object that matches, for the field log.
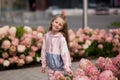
(55, 30)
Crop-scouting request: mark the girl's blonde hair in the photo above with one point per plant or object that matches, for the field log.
(64, 30)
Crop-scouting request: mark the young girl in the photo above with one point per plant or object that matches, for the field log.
(55, 50)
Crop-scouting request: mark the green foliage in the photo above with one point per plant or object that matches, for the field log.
(106, 51)
(68, 76)
(20, 32)
(37, 54)
(115, 24)
(92, 50)
(1, 50)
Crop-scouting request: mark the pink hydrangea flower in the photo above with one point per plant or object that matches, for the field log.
(81, 78)
(109, 66)
(1, 60)
(26, 41)
(6, 44)
(32, 53)
(71, 35)
(15, 41)
(107, 75)
(5, 55)
(20, 62)
(79, 72)
(12, 31)
(84, 63)
(15, 59)
(39, 35)
(92, 72)
(116, 61)
(100, 46)
(39, 44)
(34, 48)
(81, 52)
(28, 29)
(79, 31)
(11, 60)
(58, 75)
(22, 56)
(40, 29)
(74, 46)
(100, 62)
(21, 48)
(28, 59)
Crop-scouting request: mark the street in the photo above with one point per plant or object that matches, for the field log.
(74, 22)
(94, 21)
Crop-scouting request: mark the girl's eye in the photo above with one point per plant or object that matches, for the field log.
(60, 24)
(56, 22)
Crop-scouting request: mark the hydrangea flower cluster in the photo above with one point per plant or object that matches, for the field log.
(20, 46)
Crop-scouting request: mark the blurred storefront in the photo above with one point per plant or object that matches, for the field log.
(37, 5)
(33, 5)
(79, 3)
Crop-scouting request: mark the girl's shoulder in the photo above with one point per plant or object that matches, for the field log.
(47, 33)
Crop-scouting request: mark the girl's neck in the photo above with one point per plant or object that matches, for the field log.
(54, 32)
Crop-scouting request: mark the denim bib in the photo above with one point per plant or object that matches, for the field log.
(54, 61)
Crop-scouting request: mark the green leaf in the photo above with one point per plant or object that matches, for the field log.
(20, 32)
(115, 24)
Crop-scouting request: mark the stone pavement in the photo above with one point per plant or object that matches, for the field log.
(30, 73)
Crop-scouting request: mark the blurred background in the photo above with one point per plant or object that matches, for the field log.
(39, 12)
(34, 5)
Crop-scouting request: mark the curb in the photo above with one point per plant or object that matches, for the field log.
(73, 12)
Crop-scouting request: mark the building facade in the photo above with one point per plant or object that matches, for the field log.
(33, 5)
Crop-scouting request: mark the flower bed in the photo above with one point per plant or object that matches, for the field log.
(88, 42)
(104, 68)
(22, 45)
(19, 46)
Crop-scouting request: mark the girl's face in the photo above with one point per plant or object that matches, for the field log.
(57, 24)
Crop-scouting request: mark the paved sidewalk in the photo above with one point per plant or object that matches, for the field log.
(30, 73)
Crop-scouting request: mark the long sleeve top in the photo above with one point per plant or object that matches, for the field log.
(55, 45)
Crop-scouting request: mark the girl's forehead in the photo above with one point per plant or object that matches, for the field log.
(60, 20)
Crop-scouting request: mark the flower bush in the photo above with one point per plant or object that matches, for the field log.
(88, 42)
(89, 71)
(20, 45)
(109, 64)
(103, 68)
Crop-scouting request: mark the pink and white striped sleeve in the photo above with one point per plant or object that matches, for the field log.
(43, 54)
(65, 55)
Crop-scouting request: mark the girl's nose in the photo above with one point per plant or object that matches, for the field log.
(57, 24)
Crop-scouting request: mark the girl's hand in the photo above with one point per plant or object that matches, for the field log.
(70, 73)
(43, 70)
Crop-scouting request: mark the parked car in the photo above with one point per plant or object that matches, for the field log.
(102, 9)
(53, 11)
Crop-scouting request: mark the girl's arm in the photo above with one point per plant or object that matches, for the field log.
(43, 55)
(65, 55)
